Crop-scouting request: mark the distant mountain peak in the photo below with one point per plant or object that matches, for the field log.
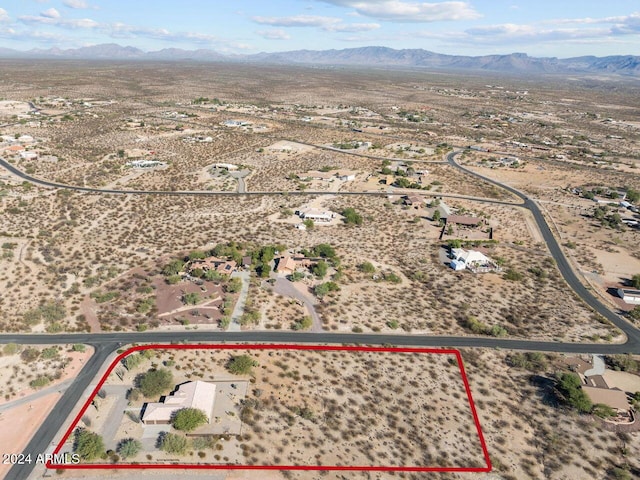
(375, 56)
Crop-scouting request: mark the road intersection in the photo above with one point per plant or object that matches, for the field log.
(106, 343)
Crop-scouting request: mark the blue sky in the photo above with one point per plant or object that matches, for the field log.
(560, 28)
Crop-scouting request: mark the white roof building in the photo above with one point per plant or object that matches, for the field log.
(28, 155)
(200, 395)
(630, 295)
(472, 260)
(317, 215)
(227, 166)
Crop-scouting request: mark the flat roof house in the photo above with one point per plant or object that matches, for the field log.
(463, 220)
(200, 395)
(317, 216)
(612, 397)
(414, 200)
(630, 295)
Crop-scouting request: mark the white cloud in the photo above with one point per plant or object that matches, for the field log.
(329, 24)
(274, 34)
(297, 21)
(76, 4)
(410, 12)
(4, 16)
(51, 13)
(352, 27)
(71, 23)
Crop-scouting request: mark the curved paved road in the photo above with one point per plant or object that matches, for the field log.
(108, 342)
(633, 334)
(206, 193)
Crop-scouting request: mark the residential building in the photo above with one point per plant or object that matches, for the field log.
(472, 260)
(286, 265)
(28, 155)
(199, 395)
(463, 220)
(317, 215)
(630, 295)
(220, 265)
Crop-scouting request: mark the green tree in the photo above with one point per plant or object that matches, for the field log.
(635, 313)
(173, 268)
(324, 250)
(212, 275)
(241, 364)
(173, 443)
(633, 195)
(320, 269)
(569, 387)
(308, 223)
(188, 419)
(351, 217)
(324, 288)
(197, 255)
(88, 445)
(192, 298)
(436, 216)
(234, 285)
(129, 448)
(635, 280)
(155, 382)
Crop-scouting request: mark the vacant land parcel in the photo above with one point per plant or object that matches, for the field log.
(311, 407)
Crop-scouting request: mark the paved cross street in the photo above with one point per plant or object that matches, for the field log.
(106, 343)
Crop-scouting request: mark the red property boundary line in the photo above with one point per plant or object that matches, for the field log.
(117, 360)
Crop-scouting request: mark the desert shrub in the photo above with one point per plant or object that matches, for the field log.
(11, 349)
(303, 324)
(241, 364)
(366, 267)
(155, 382)
(173, 443)
(30, 354)
(188, 419)
(351, 217)
(88, 445)
(39, 382)
(512, 275)
(129, 448)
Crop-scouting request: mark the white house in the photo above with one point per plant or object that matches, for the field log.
(317, 215)
(200, 395)
(630, 295)
(346, 176)
(227, 166)
(28, 155)
(472, 260)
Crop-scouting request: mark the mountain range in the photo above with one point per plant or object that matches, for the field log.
(517, 63)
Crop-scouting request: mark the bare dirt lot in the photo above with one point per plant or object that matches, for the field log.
(302, 406)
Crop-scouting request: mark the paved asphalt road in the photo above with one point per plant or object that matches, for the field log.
(106, 343)
(207, 193)
(633, 334)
